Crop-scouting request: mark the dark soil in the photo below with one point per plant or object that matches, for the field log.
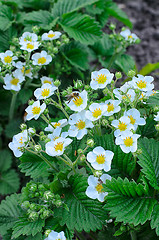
(144, 14)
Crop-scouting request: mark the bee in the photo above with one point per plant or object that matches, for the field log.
(71, 96)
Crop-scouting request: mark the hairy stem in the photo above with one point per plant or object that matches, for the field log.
(12, 106)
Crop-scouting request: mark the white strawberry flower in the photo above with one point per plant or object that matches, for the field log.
(79, 124)
(41, 58)
(28, 37)
(60, 124)
(135, 118)
(95, 188)
(100, 79)
(34, 110)
(131, 37)
(96, 111)
(46, 80)
(57, 133)
(123, 125)
(7, 57)
(143, 83)
(57, 147)
(127, 142)
(56, 236)
(45, 91)
(157, 117)
(30, 46)
(112, 107)
(12, 82)
(51, 35)
(19, 140)
(26, 72)
(100, 158)
(79, 102)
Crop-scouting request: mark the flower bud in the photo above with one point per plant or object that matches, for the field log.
(43, 137)
(45, 214)
(33, 216)
(26, 204)
(104, 122)
(37, 148)
(55, 50)
(37, 194)
(41, 187)
(42, 133)
(111, 118)
(137, 41)
(80, 151)
(90, 143)
(66, 40)
(131, 73)
(156, 109)
(30, 102)
(82, 158)
(157, 127)
(118, 75)
(47, 232)
(31, 131)
(112, 26)
(63, 36)
(58, 43)
(12, 48)
(35, 29)
(23, 126)
(64, 93)
(139, 151)
(47, 100)
(78, 84)
(48, 195)
(57, 83)
(58, 203)
(98, 173)
(33, 187)
(33, 206)
(111, 36)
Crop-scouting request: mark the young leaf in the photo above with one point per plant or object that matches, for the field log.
(81, 27)
(9, 182)
(149, 160)
(128, 201)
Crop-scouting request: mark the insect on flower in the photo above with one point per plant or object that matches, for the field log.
(73, 95)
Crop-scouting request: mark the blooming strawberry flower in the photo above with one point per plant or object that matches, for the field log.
(19, 140)
(12, 82)
(79, 124)
(30, 46)
(56, 134)
(123, 125)
(95, 188)
(100, 79)
(34, 110)
(157, 117)
(57, 147)
(127, 142)
(135, 118)
(100, 158)
(60, 124)
(131, 37)
(112, 107)
(41, 58)
(143, 83)
(45, 91)
(46, 80)
(96, 111)
(28, 37)
(26, 72)
(78, 103)
(51, 35)
(7, 57)
(56, 236)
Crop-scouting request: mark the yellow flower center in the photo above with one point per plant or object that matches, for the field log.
(78, 101)
(21, 140)
(80, 124)
(122, 126)
(101, 79)
(141, 84)
(58, 146)
(8, 59)
(42, 60)
(100, 159)
(51, 35)
(14, 81)
(110, 107)
(130, 36)
(132, 120)
(36, 110)
(97, 112)
(99, 188)
(47, 81)
(45, 92)
(57, 125)
(30, 46)
(128, 141)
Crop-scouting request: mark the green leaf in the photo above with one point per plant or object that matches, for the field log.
(33, 166)
(81, 27)
(155, 219)
(113, 10)
(149, 160)
(104, 46)
(5, 160)
(122, 164)
(9, 212)
(24, 227)
(76, 54)
(67, 6)
(5, 17)
(125, 63)
(9, 182)
(13, 127)
(148, 68)
(128, 202)
(148, 130)
(153, 100)
(84, 213)
(24, 95)
(6, 37)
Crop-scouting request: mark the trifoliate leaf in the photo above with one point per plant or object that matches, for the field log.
(9, 182)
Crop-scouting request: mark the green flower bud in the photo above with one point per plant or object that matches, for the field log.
(111, 36)
(131, 73)
(64, 93)
(45, 214)
(63, 36)
(98, 173)
(46, 111)
(37, 194)
(80, 151)
(137, 41)
(43, 138)
(55, 50)
(47, 232)
(33, 216)
(66, 40)
(78, 84)
(112, 26)
(33, 187)
(58, 43)
(104, 122)
(12, 48)
(47, 100)
(30, 102)
(48, 195)
(156, 109)
(123, 29)
(42, 133)
(82, 158)
(15, 41)
(139, 151)
(41, 187)
(26, 204)
(35, 29)
(23, 126)
(37, 148)
(57, 83)
(157, 127)
(31, 131)
(33, 206)
(118, 75)
(90, 143)
(111, 118)
(58, 203)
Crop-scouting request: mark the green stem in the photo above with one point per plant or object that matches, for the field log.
(64, 161)
(12, 106)
(60, 107)
(133, 235)
(89, 166)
